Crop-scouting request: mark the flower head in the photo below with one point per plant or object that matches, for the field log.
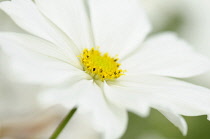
(126, 72)
(100, 66)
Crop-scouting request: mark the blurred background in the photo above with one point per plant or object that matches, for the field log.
(22, 117)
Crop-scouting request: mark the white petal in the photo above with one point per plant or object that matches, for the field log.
(68, 95)
(70, 16)
(167, 55)
(176, 119)
(124, 98)
(7, 24)
(108, 118)
(80, 127)
(180, 97)
(27, 16)
(37, 60)
(119, 26)
(10, 40)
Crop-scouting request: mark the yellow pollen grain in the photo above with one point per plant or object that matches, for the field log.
(100, 66)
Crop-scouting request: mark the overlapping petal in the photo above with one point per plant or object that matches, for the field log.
(7, 24)
(162, 93)
(117, 27)
(72, 17)
(37, 60)
(167, 55)
(127, 98)
(28, 17)
(107, 118)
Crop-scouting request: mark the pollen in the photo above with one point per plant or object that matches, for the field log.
(101, 66)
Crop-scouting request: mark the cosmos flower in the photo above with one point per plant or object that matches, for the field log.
(93, 54)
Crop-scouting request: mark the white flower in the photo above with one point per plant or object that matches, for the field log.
(64, 53)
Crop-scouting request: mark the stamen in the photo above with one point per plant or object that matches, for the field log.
(101, 66)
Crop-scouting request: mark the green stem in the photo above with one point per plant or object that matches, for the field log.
(63, 123)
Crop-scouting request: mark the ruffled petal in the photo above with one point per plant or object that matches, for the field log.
(141, 91)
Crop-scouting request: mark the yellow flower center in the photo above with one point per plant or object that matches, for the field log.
(100, 66)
